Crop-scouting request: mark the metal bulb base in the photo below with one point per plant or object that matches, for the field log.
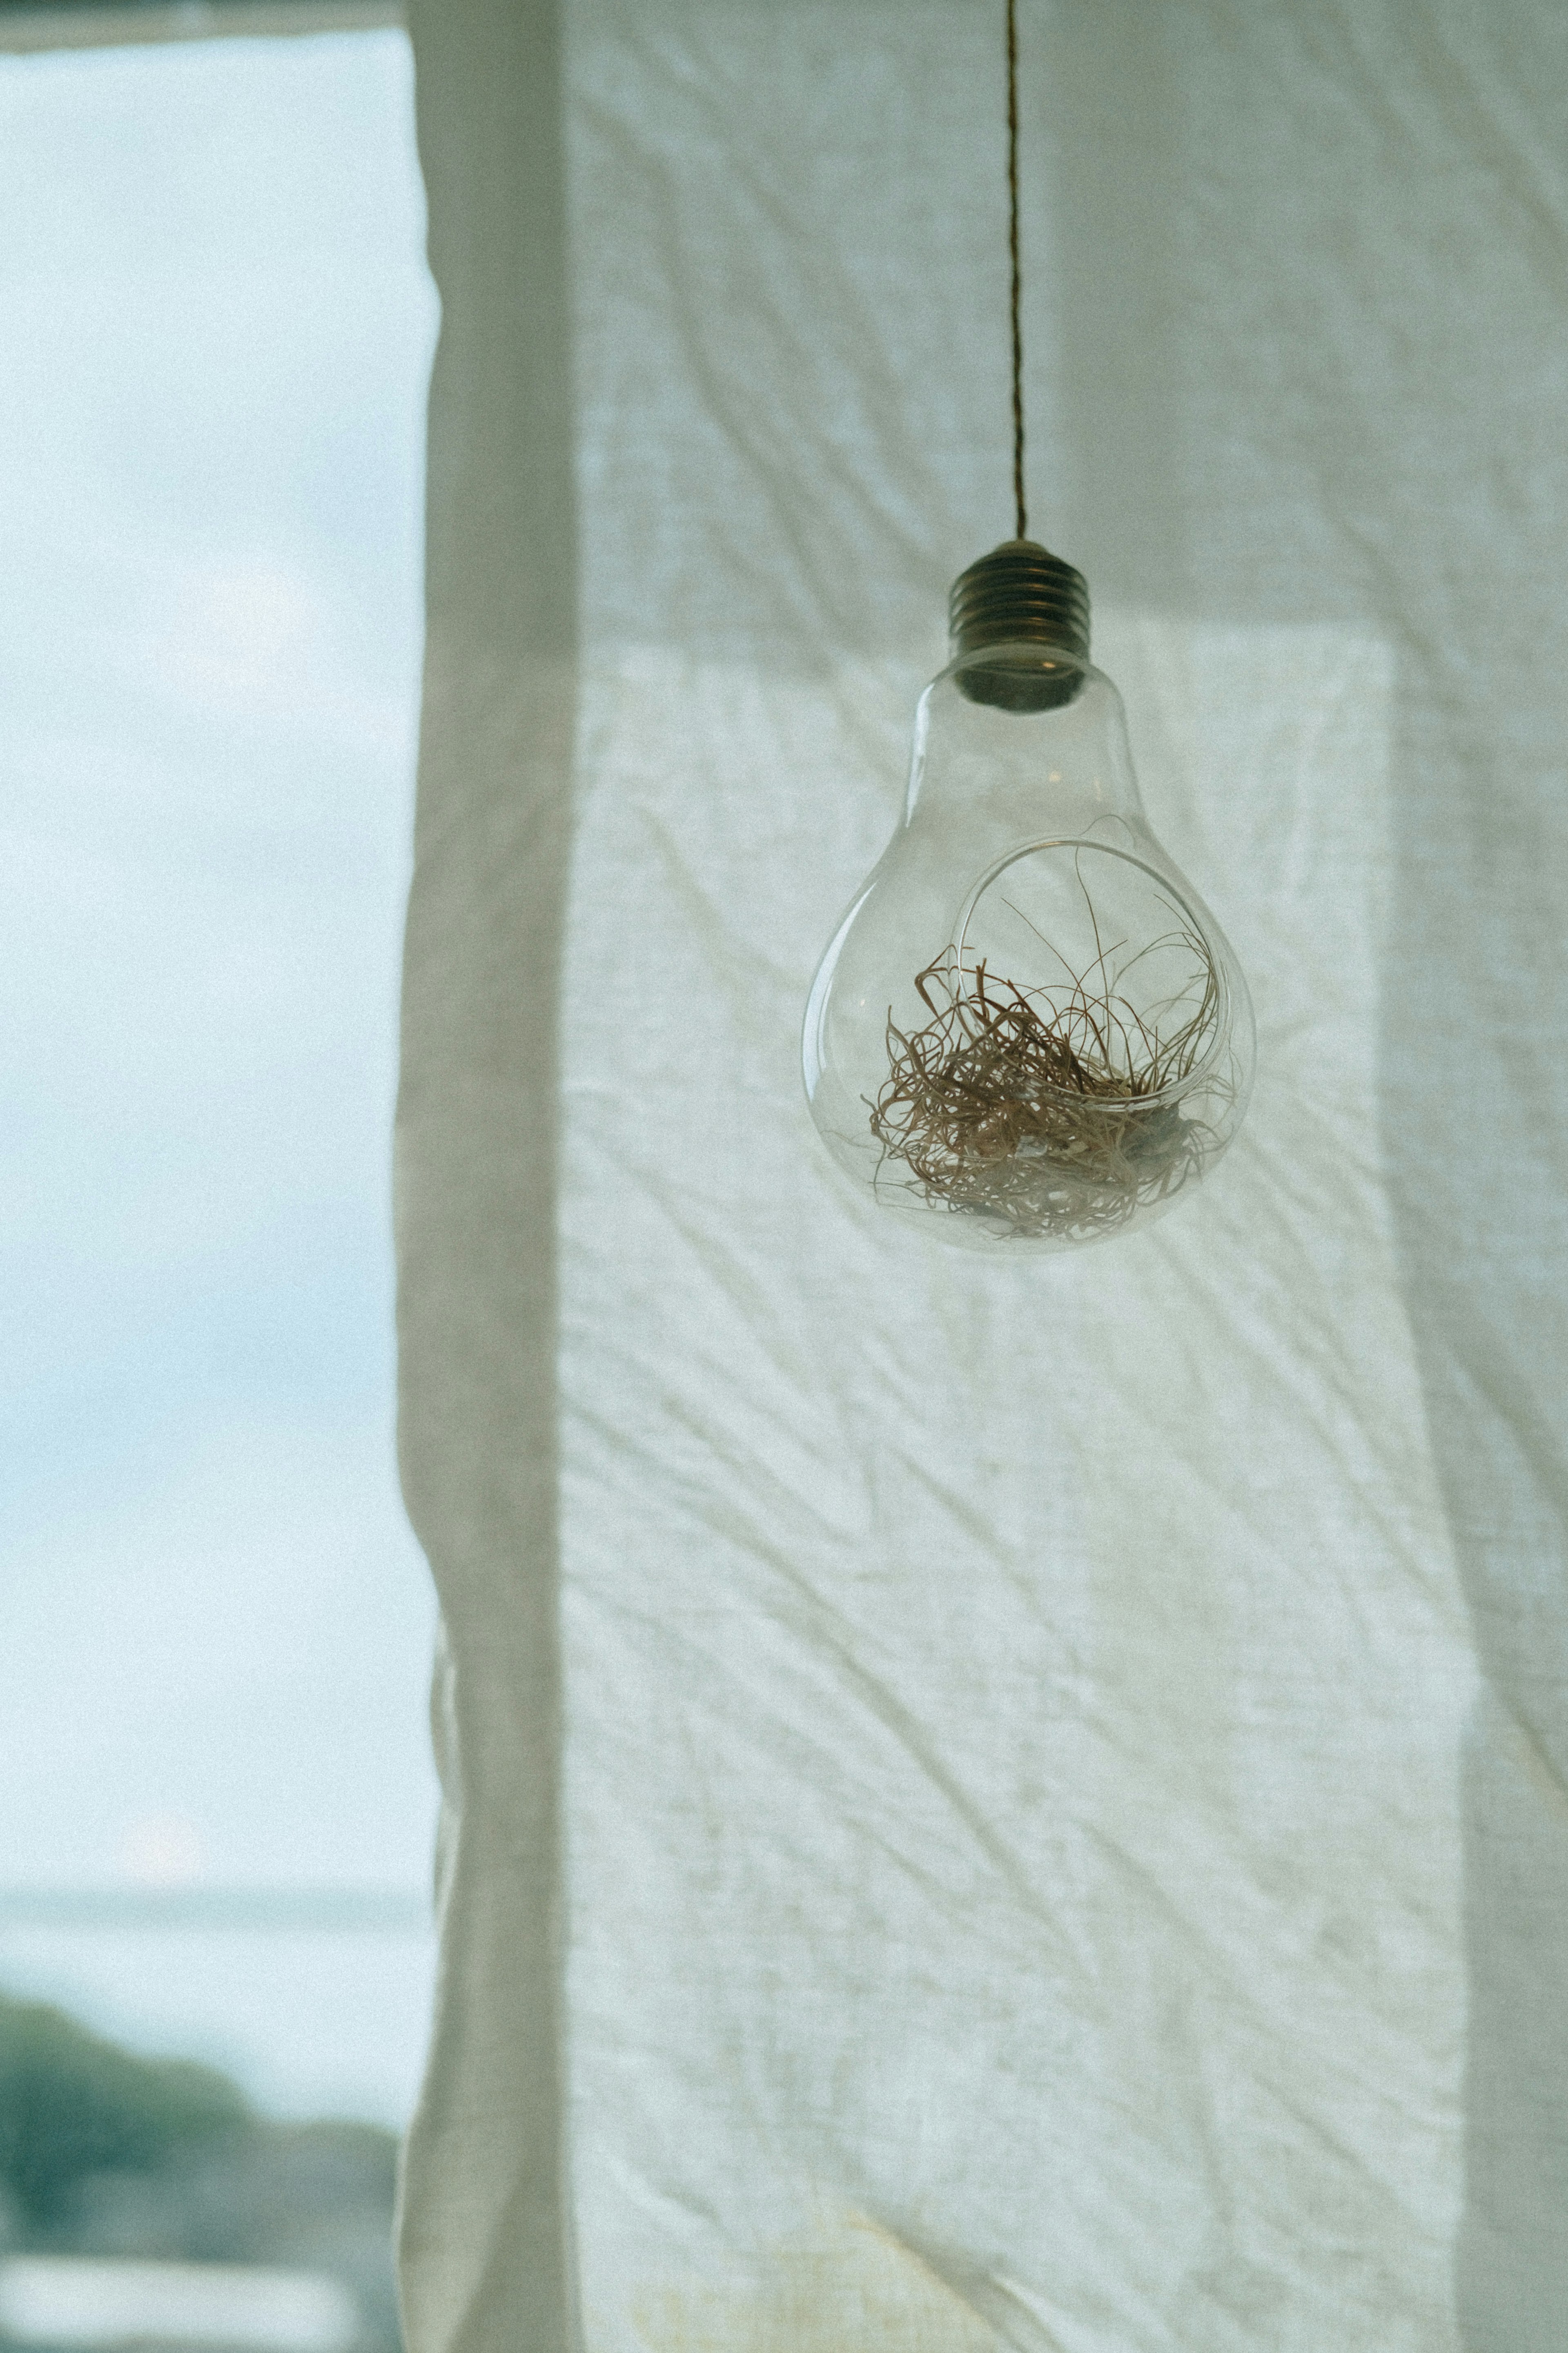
(1019, 622)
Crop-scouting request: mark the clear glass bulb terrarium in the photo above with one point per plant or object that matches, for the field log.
(1028, 1032)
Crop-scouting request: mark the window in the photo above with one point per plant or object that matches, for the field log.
(215, 328)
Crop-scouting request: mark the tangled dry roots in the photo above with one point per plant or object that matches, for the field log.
(1038, 1108)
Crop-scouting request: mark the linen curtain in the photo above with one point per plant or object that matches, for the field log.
(990, 1805)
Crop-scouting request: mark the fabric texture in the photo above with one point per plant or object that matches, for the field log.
(990, 1805)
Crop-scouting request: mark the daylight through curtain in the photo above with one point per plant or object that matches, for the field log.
(986, 1805)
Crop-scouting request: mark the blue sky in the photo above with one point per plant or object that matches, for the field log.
(215, 334)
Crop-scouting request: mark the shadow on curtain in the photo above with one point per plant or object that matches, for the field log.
(483, 2231)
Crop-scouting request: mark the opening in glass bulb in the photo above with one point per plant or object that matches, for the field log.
(1069, 1075)
(1021, 679)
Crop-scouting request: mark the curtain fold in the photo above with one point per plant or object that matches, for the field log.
(989, 1806)
(483, 2226)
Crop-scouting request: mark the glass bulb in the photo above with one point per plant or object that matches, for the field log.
(1028, 1032)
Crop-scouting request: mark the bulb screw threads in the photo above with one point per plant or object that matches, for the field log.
(1020, 596)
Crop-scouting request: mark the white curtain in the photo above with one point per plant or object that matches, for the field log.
(1012, 1805)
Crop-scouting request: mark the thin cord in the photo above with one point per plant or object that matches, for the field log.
(1023, 529)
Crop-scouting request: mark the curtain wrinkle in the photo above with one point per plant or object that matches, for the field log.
(1416, 426)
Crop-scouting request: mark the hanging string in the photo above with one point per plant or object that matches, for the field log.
(1023, 529)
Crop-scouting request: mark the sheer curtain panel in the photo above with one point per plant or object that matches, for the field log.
(989, 1806)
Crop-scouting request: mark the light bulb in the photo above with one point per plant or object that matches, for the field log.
(1028, 1032)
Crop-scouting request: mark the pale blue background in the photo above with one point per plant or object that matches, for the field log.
(215, 333)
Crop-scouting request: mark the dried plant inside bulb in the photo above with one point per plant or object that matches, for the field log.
(1053, 1112)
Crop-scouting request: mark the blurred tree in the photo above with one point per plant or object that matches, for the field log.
(72, 2105)
(102, 2153)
